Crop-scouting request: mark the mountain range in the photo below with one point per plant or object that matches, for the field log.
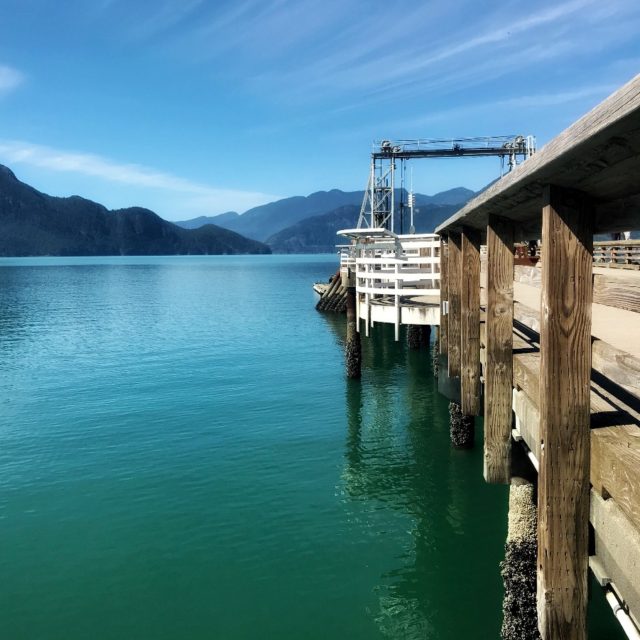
(309, 224)
(33, 223)
(36, 224)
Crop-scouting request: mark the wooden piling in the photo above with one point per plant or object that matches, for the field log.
(470, 323)
(414, 337)
(461, 427)
(565, 345)
(518, 569)
(353, 352)
(453, 292)
(444, 317)
(499, 360)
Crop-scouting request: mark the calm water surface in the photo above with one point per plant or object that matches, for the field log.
(181, 457)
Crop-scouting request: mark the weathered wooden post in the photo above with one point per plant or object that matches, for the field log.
(565, 371)
(444, 297)
(453, 293)
(461, 425)
(353, 349)
(499, 360)
(470, 323)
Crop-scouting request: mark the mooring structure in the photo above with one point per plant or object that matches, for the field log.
(546, 349)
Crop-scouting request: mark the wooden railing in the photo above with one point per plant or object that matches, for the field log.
(621, 254)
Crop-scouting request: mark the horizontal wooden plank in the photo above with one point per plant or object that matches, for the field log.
(605, 410)
(527, 420)
(614, 364)
(617, 550)
(612, 291)
(599, 155)
(615, 467)
(621, 291)
(526, 374)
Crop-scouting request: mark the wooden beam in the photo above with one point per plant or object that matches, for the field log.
(470, 323)
(619, 292)
(565, 370)
(444, 290)
(453, 291)
(499, 365)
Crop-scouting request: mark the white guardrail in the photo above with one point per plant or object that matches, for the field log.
(391, 271)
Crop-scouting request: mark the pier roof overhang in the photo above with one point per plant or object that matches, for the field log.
(598, 155)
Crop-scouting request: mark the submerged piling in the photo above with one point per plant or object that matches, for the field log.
(435, 355)
(461, 427)
(413, 337)
(418, 336)
(518, 569)
(353, 349)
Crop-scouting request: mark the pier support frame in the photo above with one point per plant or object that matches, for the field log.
(499, 362)
(353, 348)
(565, 371)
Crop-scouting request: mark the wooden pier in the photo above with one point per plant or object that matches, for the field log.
(560, 349)
(547, 350)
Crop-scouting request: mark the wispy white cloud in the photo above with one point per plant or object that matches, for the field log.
(10, 79)
(203, 197)
(306, 52)
(453, 116)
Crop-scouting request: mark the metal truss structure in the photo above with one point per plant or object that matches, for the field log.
(379, 205)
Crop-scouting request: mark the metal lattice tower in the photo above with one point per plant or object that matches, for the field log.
(379, 206)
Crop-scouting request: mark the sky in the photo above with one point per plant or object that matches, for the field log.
(196, 107)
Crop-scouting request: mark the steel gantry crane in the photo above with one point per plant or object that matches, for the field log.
(379, 204)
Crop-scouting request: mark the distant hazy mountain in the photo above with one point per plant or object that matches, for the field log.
(265, 221)
(35, 224)
(200, 221)
(458, 196)
(317, 234)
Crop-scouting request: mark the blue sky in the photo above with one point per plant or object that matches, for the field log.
(195, 107)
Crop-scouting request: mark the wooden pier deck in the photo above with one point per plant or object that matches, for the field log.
(558, 345)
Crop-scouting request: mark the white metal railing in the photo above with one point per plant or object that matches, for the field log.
(392, 270)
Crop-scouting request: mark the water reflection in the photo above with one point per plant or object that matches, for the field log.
(398, 459)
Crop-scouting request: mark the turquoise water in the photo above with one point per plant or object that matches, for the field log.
(182, 457)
